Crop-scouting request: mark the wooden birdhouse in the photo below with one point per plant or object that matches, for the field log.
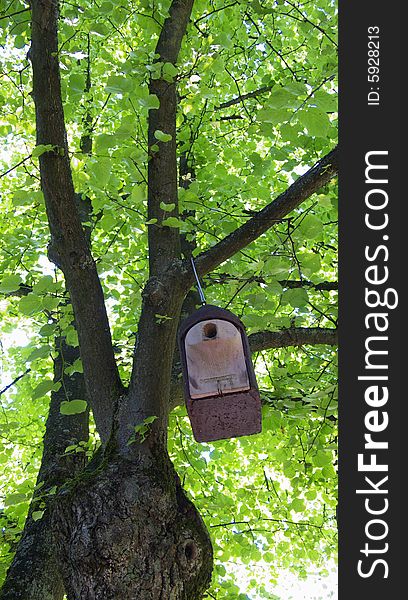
(220, 388)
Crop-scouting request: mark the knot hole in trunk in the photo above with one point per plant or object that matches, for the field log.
(190, 550)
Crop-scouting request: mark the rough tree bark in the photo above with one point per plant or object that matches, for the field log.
(124, 528)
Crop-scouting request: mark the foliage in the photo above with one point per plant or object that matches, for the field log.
(257, 100)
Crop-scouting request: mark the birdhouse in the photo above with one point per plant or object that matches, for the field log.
(220, 388)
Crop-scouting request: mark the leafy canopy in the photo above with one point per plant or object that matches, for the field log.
(257, 100)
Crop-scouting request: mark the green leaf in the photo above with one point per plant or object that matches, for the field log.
(316, 121)
(162, 318)
(161, 136)
(73, 407)
(100, 171)
(169, 72)
(141, 431)
(167, 207)
(155, 70)
(106, 8)
(30, 304)
(289, 469)
(47, 330)
(15, 498)
(42, 389)
(99, 28)
(311, 227)
(40, 352)
(277, 265)
(172, 222)
(19, 41)
(10, 283)
(105, 141)
(296, 297)
(325, 101)
(50, 302)
(322, 458)
(42, 149)
(275, 116)
(77, 367)
(22, 198)
(290, 133)
(37, 515)
(297, 505)
(44, 284)
(77, 83)
(71, 448)
(310, 263)
(224, 39)
(296, 88)
(72, 338)
(26, 197)
(152, 102)
(274, 288)
(138, 194)
(311, 494)
(118, 84)
(281, 98)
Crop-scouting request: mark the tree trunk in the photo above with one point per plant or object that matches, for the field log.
(126, 530)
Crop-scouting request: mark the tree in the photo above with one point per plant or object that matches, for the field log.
(161, 131)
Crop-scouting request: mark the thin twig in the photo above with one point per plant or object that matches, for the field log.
(15, 166)
(14, 382)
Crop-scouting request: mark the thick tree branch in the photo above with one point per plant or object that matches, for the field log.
(174, 28)
(163, 295)
(320, 174)
(69, 248)
(322, 286)
(164, 241)
(294, 336)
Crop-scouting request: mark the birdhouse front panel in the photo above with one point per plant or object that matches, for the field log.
(220, 387)
(215, 359)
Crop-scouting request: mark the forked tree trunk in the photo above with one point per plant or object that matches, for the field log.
(127, 531)
(124, 529)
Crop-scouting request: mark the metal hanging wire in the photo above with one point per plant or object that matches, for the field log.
(200, 289)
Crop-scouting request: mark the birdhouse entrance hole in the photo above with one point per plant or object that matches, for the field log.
(210, 330)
